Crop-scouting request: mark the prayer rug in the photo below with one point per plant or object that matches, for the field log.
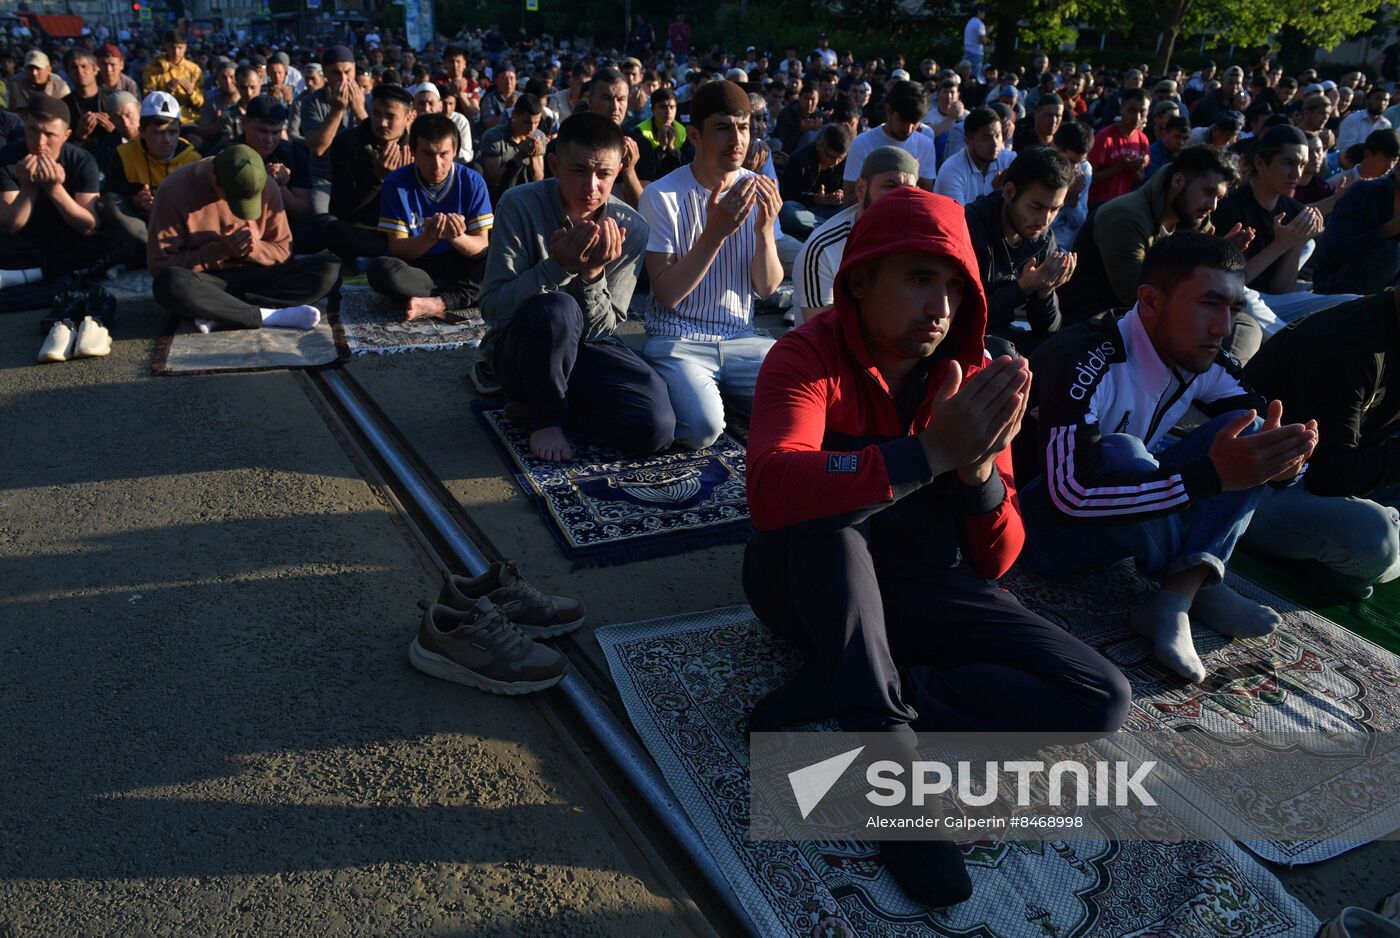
(605, 508)
(689, 683)
(1376, 618)
(374, 325)
(187, 351)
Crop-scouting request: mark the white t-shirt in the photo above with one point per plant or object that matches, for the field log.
(814, 271)
(960, 179)
(828, 57)
(972, 36)
(918, 145)
(721, 305)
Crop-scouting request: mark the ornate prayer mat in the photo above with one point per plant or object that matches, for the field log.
(689, 683)
(604, 508)
(374, 325)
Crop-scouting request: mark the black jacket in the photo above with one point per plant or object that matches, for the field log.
(1334, 367)
(354, 187)
(1001, 265)
(803, 174)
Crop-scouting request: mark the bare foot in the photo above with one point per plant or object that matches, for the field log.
(425, 307)
(551, 444)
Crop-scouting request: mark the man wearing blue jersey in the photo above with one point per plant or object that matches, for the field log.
(437, 217)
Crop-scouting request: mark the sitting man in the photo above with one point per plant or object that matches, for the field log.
(221, 249)
(880, 482)
(712, 246)
(512, 152)
(171, 72)
(360, 158)
(811, 182)
(1109, 390)
(1019, 261)
(814, 274)
(563, 265)
(1334, 367)
(1282, 226)
(1361, 250)
(141, 165)
(975, 170)
(287, 166)
(1073, 140)
(428, 99)
(904, 107)
(1111, 245)
(48, 202)
(437, 217)
(660, 139)
(35, 77)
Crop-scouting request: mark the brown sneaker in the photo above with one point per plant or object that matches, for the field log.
(534, 613)
(480, 648)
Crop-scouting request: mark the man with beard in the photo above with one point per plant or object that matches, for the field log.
(1113, 242)
(1361, 123)
(1020, 263)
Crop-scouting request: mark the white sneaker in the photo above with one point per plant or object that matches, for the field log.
(59, 345)
(93, 339)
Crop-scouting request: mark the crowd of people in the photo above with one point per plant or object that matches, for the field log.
(1055, 314)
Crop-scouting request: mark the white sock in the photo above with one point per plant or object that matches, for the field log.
(16, 278)
(1227, 612)
(205, 325)
(1163, 619)
(292, 317)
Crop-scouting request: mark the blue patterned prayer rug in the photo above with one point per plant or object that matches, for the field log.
(605, 508)
(689, 684)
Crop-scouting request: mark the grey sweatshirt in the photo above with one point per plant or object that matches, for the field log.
(519, 268)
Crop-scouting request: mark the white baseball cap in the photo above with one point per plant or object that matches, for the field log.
(160, 104)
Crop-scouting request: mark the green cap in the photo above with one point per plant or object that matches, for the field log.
(241, 174)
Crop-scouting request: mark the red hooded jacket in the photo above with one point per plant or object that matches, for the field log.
(827, 447)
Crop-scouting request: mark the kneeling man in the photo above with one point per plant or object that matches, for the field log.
(563, 265)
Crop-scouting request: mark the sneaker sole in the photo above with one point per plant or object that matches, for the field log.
(547, 631)
(435, 665)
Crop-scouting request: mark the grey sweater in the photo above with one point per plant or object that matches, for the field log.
(519, 268)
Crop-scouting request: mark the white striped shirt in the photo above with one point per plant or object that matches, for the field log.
(814, 272)
(721, 305)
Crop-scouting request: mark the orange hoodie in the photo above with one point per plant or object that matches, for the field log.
(827, 448)
(189, 220)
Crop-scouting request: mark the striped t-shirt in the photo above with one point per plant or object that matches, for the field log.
(404, 203)
(721, 305)
(814, 271)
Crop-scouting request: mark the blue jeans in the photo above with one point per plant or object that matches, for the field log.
(701, 375)
(1204, 533)
(1358, 538)
(799, 221)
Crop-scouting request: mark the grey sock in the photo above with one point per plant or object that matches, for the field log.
(1164, 619)
(1227, 612)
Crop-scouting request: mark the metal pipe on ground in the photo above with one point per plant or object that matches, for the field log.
(607, 730)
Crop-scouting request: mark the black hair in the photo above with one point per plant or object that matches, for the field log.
(1048, 100)
(1271, 144)
(1383, 141)
(388, 91)
(843, 109)
(537, 87)
(1173, 259)
(242, 70)
(1135, 94)
(1356, 152)
(175, 36)
(1176, 123)
(907, 100)
(979, 118)
(661, 94)
(1002, 110)
(835, 136)
(529, 104)
(432, 128)
(1041, 164)
(1073, 135)
(453, 51)
(589, 132)
(1195, 161)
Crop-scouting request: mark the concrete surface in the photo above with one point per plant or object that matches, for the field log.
(207, 719)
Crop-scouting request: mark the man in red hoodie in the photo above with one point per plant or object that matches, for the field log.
(881, 486)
